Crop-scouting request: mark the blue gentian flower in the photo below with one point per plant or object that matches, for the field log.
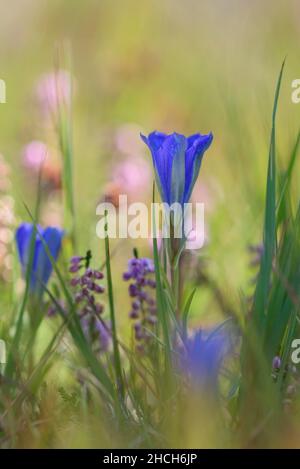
(205, 354)
(177, 160)
(41, 265)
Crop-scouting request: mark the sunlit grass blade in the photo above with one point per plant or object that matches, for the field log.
(65, 138)
(284, 297)
(256, 388)
(39, 370)
(186, 311)
(117, 359)
(269, 234)
(284, 209)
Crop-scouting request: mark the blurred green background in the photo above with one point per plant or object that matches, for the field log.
(170, 65)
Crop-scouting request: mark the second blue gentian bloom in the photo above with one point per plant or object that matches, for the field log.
(177, 161)
(205, 354)
(27, 236)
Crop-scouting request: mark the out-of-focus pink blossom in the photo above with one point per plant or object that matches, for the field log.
(37, 157)
(132, 174)
(34, 155)
(133, 177)
(53, 91)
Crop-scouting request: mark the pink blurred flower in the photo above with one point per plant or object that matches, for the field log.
(133, 177)
(37, 157)
(132, 174)
(34, 155)
(54, 90)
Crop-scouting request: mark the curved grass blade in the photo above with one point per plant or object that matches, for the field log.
(117, 359)
(186, 311)
(269, 234)
(161, 304)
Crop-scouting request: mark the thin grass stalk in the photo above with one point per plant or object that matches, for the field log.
(117, 358)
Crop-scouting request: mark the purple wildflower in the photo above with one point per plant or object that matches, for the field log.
(85, 289)
(276, 364)
(53, 309)
(256, 251)
(97, 332)
(143, 306)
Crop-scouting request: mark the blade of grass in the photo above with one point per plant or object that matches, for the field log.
(286, 183)
(161, 305)
(117, 359)
(269, 235)
(64, 129)
(186, 311)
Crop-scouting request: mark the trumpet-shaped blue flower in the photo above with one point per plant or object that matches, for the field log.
(177, 161)
(205, 354)
(41, 268)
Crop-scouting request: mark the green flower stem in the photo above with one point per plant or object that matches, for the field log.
(175, 269)
(117, 358)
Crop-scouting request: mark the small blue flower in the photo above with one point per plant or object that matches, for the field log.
(41, 266)
(205, 354)
(177, 160)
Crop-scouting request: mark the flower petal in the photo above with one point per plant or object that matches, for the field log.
(179, 145)
(23, 237)
(165, 149)
(154, 140)
(177, 161)
(197, 145)
(206, 353)
(43, 266)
